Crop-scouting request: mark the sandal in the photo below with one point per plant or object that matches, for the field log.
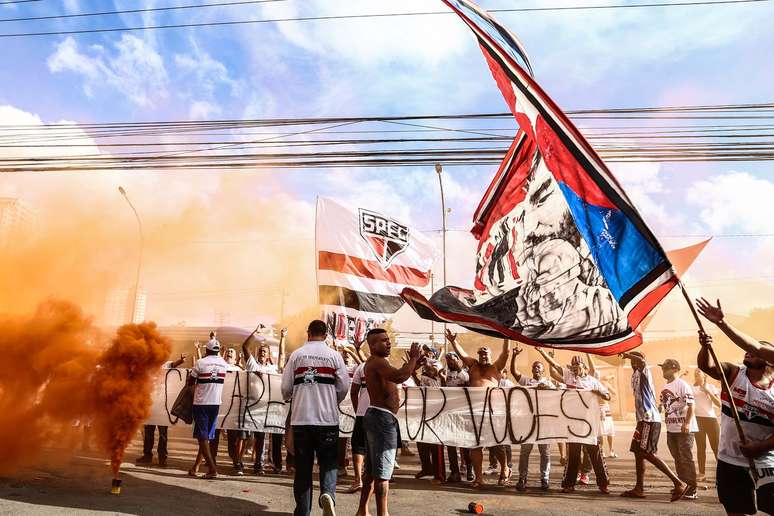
(678, 492)
(193, 473)
(503, 481)
(633, 493)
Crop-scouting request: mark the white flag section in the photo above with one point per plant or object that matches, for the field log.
(467, 417)
(364, 261)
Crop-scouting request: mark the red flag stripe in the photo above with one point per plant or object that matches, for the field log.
(399, 274)
(318, 370)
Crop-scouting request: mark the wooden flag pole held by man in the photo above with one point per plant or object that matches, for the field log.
(723, 380)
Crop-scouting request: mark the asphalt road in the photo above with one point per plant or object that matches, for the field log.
(82, 486)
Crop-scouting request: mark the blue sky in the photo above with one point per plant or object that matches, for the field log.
(407, 65)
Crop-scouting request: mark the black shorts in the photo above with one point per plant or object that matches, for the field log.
(645, 438)
(358, 437)
(737, 493)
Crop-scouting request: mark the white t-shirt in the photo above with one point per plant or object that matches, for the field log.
(528, 381)
(426, 381)
(363, 399)
(255, 366)
(505, 383)
(675, 398)
(210, 373)
(457, 378)
(703, 406)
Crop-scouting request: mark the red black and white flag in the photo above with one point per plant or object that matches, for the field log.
(564, 259)
(364, 261)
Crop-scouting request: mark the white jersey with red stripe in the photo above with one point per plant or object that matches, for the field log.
(756, 413)
(316, 380)
(210, 373)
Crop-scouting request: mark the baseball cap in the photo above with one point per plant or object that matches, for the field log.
(213, 345)
(637, 354)
(670, 363)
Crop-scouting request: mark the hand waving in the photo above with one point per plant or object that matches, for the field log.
(711, 312)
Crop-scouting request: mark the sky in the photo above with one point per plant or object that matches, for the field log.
(236, 241)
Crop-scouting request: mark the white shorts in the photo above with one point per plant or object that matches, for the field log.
(607, 427)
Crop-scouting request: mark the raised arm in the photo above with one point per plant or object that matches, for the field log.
(516, 352)
(557, 373)
(400, 375)
(179, 361)
(246, 344)
(703, 360)
(452, 338)
(502, 360)
(714, 314)
(592, 367)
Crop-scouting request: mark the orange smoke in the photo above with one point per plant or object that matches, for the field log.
(52, 386)
(122, 386)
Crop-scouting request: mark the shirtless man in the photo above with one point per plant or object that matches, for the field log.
(484, 373)
(380, 421)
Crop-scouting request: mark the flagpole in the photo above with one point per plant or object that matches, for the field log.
(439, 170)
(723, 380)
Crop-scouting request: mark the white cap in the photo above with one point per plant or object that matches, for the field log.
(213, 345)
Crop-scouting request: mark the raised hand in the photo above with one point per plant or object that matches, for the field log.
(284, 332)
(709, 311)
(183, 356)
(517, 350)
(451, 337)
(415, 351)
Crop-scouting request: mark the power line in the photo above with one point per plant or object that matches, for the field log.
(365, 16)
(133, 11)
(17, 2)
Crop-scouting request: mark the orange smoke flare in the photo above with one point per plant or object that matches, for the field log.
(123, 383)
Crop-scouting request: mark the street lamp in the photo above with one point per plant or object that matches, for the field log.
(439, 171)
(139, 259)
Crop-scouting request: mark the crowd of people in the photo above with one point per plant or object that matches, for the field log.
(318, 376)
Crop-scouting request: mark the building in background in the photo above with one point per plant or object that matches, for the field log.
(16, 221)
(118, 307)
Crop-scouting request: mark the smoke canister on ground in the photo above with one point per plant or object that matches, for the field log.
(475, 508)
(115, 487)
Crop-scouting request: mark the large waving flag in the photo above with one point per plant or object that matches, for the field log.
(364, 260)
(564, 259)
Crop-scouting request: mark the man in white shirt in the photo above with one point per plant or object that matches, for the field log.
(358, 393)
(316, 380)
(706, 397)
(263, 365)
(538, 380)
(677, 403)
(456, 376)
(208, 375)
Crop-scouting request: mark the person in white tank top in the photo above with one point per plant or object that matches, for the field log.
(752, 389)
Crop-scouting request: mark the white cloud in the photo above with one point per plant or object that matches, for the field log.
(202, 110)
(208, 72)
(735, 200)
(135, 68)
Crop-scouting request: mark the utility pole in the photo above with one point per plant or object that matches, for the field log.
(136, 292)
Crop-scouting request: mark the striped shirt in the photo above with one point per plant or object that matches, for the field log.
(316, 379)
(210, 373)
(644, 396)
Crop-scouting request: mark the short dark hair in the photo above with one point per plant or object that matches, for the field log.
(375, 331)
(317, 328)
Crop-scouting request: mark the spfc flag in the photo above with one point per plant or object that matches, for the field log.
(564, 258)
(364, 260)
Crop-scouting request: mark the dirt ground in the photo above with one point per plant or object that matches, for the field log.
(83, 487)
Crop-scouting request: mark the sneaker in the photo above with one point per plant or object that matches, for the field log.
(258, 469)
(469, 473)
(545, 485)
(145, 459)
(521, 485)
(328, 507)
(239, 469)
(492, 470)
(583, 479)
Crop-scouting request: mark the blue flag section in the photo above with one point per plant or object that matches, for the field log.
(564, 259)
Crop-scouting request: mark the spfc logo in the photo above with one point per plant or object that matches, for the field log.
(386, 237)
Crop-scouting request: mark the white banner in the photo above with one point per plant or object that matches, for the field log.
(468, 417)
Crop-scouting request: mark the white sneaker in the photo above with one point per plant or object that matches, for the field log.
(327, 504)
(492, 470)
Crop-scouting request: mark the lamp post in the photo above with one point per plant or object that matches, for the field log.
(139, 259)
(439, 171)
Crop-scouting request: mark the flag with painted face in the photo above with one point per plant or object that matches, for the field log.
(364, 261)
(564, 259)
